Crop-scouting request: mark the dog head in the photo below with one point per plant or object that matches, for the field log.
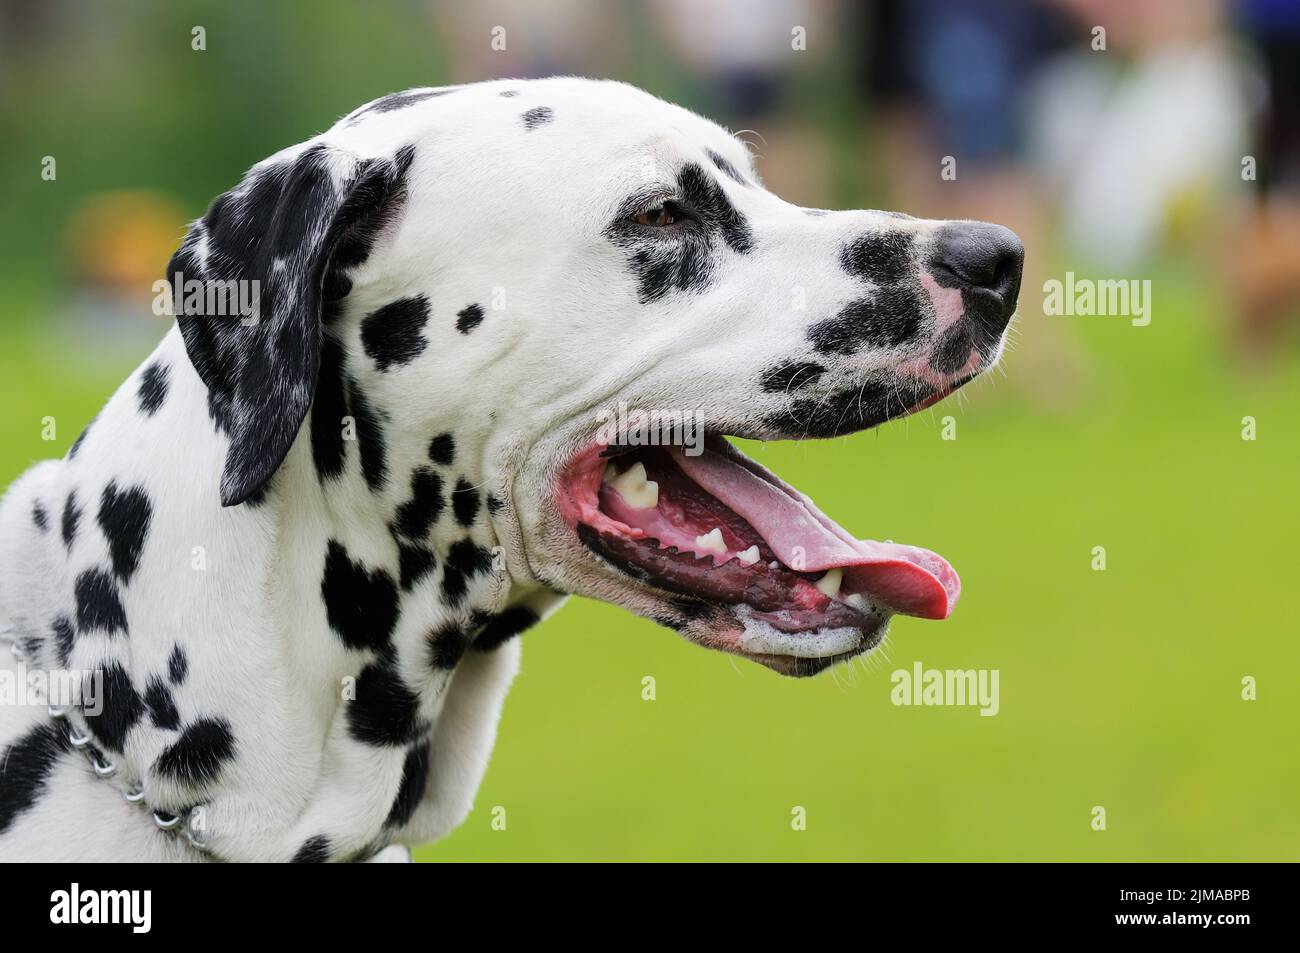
(536, 269)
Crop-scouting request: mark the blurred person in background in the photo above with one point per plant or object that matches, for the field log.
(946, 85)
(500, 39)
(744, 57)
(1141, 141)
(1103, 130)
(1264, 269)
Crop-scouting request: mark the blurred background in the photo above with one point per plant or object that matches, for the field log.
(1164, 148)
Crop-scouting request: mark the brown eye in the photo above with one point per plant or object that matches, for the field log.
(656, 217)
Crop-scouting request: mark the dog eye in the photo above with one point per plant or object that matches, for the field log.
(658, 217)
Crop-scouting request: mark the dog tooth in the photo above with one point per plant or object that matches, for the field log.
(774, 565)
(611, 473)
(829, 584)
(638, 492)
(749, 556)
(632, 477)
(712, 541)
(857, 601)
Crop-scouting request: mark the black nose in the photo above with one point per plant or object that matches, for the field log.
(986, 259)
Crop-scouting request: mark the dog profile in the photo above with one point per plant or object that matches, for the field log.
(295, 549)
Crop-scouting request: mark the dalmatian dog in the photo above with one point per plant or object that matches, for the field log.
(291, 556)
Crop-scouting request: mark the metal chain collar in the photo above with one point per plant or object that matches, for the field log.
(187, 824)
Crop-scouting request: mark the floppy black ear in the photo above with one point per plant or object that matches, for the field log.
(252, 283)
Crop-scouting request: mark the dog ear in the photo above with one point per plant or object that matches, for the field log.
(254, 281)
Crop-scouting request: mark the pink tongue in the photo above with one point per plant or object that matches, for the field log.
(906, 579)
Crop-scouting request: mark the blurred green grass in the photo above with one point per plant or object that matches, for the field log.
(1118, 688)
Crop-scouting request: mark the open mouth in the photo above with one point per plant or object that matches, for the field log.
(774, 578)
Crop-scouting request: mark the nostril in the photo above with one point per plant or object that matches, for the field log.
(979, 255)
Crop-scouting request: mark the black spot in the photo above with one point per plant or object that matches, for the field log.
(442, 449)
(454, 585)
(465, 503)
(71, 516)
(882, 258)
(197, 756)
(707, 200)
(414, 563)
(664, 269)
(99, 607)
(417, 515)
(337, 285)
(39, 517)
(538, 116)
(395, 101)
(25, 767)
(328, 409)
(124, 517)
(394, 333)
(415, 777)
(315, 850)
(494, 505)
(726, 168)
(385, 711)
(81, 438)
(153, 388)
(257, 497)
(681, 257)
(361, 605)
(178, 666)
(952, 350)
(447, 646)
(65, 637)
(849, 410)
(465, 560)
(791, 376)
(162, 707)
(893, 317)
(468, 318)
(121, 708)
(508, 93)
(370, 438)
(501, 628)
(693, 609)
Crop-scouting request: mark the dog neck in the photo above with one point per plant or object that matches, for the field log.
(289, 668)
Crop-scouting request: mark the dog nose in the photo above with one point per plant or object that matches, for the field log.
(983, 258)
